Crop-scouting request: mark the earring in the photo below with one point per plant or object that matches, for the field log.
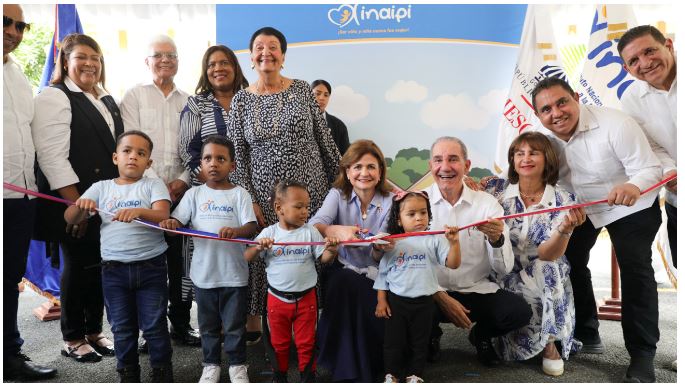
(252, 66)
(283, 66)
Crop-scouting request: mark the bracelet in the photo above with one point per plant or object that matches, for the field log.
(564, 234)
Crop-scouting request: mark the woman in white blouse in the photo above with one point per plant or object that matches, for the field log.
(74, 129)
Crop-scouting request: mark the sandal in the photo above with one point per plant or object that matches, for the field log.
(104, 350)
(91, 356)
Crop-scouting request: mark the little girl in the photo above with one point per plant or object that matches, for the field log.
(291, 277)
(406, 270)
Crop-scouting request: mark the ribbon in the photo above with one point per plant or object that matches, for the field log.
(214, 236)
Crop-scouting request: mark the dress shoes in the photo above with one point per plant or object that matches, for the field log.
(90, 357)
(20, 367)
(434, 349)
(640, 370)
(594, 348)
(101, 349)
(484, 350)
(187, 336)
(252, 338)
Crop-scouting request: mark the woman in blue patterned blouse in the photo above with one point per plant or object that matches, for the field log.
(541, 271)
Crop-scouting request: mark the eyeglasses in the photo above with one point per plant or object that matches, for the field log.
(222, 63)
(21, 26)
(170, 56)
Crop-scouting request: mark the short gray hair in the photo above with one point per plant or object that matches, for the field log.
(160, 39)
(456, 140)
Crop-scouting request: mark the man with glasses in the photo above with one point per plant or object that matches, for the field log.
(155, 108)
(18, 210)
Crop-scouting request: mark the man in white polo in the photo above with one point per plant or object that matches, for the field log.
(154, 108)
(470, 296)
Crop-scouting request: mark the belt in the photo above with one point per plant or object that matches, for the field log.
(291, 296)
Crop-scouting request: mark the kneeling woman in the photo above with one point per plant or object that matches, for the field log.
(349, 336)
(541, 271)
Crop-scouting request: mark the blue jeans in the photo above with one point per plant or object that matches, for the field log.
(227, 305)
(136, 296)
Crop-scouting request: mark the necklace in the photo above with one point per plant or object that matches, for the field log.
(264, 90)
(530, 197)
(364, 215)
(261, 97)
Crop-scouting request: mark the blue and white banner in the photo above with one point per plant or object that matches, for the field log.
(603, 80)
(319, 22)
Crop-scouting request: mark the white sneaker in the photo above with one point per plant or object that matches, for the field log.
(390, 379)
(413, 379)
(552, 367)
(210, 374)
(238, 374)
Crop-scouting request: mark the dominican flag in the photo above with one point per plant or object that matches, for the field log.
(42, 271)
(66, 22)
(538, 58)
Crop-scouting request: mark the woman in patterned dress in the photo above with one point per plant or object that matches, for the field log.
(541, 271)
(279, 133)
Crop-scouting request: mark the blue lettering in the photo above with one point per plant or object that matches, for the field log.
(596, 27)
(608, 59)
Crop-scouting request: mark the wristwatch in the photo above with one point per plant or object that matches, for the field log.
(498, 243)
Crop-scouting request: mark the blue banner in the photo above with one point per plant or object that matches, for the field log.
(316, 22)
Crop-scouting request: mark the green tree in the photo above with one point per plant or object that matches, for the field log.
(31, 53)
(479, 173)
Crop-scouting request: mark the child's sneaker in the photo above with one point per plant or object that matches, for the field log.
(413, 379)
(390, 379)
(238, 374)
(210, 374)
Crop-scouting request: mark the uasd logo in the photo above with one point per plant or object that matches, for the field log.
(348, 13)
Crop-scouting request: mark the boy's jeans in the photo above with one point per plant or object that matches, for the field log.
(136, 297)
(227, 305)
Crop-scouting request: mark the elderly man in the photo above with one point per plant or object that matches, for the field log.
(18, 209)
(471, 296)
(154, 108)
(603, 154)
(649, 57)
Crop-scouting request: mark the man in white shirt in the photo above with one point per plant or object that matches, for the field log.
(18, 210)
(603, 154)
(651, 100)
(471, 296)
(154, 108)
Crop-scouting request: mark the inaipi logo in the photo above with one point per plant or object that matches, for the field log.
(404, 257)
(285, 251)
(116, 203)
(347, 13)
(211, 206)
